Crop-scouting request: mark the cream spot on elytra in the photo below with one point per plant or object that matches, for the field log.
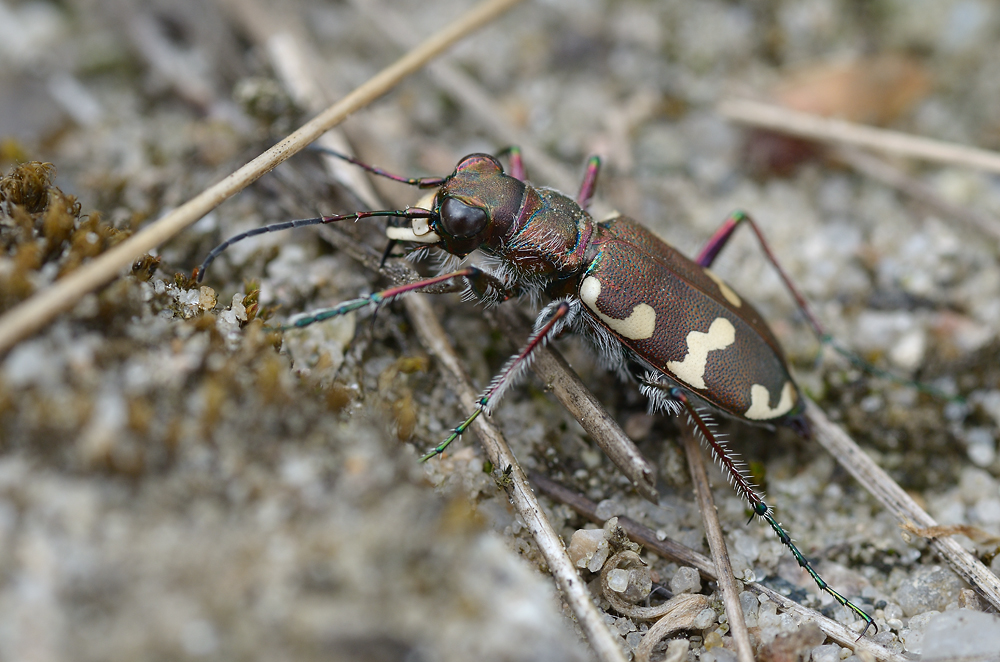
(760, 409)
(639, 325)
(727, 291)
(691, 370)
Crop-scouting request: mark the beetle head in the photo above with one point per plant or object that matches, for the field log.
(475, 205)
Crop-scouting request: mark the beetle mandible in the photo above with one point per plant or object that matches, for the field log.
(653, 315)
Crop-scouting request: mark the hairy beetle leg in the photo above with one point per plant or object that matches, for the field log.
(553, 319)
(735, 472)
(471, 274)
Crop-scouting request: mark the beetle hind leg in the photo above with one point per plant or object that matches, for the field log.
(735, 471)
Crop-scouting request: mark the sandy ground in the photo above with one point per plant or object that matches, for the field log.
(176, 482)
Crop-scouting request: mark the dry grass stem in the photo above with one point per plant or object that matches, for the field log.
(574, 591)
(34, 313)
(828, 130)
(881, 171)
(297, 77)
(681, 610)
(573, 394)
(670, 549)
(889, 494)
(716, 543)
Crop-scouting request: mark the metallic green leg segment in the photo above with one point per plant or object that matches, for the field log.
(764, 511)
(378, 298)
(749, 491)
(455, 434)
(342, 309)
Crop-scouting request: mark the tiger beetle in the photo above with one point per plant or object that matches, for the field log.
(654, 316)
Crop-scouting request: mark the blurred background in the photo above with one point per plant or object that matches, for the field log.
(178, 483)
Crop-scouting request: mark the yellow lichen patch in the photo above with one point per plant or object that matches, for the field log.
(45, 227)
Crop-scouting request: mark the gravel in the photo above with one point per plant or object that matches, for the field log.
(177, 482)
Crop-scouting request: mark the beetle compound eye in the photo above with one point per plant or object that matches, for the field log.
(460, 220)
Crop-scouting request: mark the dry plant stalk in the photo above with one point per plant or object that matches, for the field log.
(716, 543)
(898, 502)
(33, 314)
(670, 549)
(829, 130)
(880, 170)
(297, 78)
(574, 591)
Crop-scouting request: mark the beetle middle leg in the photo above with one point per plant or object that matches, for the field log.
(550, 323)
(719, 240)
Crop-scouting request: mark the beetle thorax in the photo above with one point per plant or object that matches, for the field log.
(548, 237)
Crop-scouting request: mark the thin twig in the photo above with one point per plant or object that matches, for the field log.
(716, 543)
(473, 98)
(435, 340)
(569, 389)
(889, 494)
(33, 314)
(549, 364)
(829, 130)
(675, 551)
(432, 335)
(881, 171)
(683, 610)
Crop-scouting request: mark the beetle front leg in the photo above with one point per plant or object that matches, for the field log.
(552, 321)
(477, 279)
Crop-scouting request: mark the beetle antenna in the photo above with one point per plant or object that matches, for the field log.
(419, 182)
(303, 222)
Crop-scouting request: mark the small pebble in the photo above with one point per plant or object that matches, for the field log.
(828, 653)
(624, 626)
(718, 654)
(928, 588)
(712, 640)
(705, 619)
(685, 580)
(750, 606)
(892, 611)
(618, 580)
(586, 547)
(609, 508)
(962, 634)
(967, 599)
